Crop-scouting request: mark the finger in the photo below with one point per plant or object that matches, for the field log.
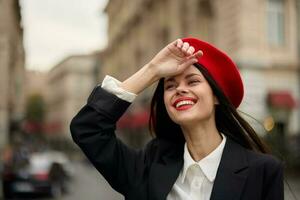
(196, 55)
(187, 63)
(190, 50)
(173, 44)
(179, 43)
(185, 47)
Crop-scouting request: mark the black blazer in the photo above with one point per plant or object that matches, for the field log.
(150, 173)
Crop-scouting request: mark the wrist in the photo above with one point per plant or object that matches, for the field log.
(140, 80)
(151, 72)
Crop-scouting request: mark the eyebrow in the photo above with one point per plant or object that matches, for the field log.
(172, 79)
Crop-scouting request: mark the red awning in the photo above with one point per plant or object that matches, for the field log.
(282, 99)
(32, 127)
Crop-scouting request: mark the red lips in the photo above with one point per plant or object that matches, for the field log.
(184, 99)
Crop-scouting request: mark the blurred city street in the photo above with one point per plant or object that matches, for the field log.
(295, 186)
(89, 184)
(53, 53)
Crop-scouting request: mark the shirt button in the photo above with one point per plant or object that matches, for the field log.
(196, 183)
(196, 169)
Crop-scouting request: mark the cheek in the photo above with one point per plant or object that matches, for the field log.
(208, 103)
(167, 98)
(167, 101)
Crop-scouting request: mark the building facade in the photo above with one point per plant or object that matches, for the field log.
(260, 36)
(298, 33)
(12, 73)
(36, 83)
(68, 85)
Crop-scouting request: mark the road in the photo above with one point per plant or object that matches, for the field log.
(292, 188)
(89, 185)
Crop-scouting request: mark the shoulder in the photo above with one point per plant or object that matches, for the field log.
(257, 157)
(254, 158)
(267, 172)
(266, 162)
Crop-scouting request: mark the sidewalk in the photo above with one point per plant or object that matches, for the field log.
(294, 183)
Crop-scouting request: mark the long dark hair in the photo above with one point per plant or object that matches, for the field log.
(228, 120)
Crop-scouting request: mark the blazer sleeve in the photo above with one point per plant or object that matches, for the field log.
(93, 130)
(273, 181)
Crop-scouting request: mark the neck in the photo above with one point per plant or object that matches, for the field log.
(201, 139)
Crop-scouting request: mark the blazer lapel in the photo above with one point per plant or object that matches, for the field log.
(164, 173)
(232, 172)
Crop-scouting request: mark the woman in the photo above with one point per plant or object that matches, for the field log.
(203, 149)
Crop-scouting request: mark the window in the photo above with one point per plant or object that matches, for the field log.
(275, 14)
(205, 15)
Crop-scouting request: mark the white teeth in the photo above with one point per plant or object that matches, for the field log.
(186, 102)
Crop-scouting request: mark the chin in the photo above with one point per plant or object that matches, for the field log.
(183, 121)
(190, 119)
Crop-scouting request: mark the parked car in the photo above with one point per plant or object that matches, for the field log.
(40, 173)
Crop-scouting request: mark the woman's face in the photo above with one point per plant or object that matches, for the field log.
(189, 98)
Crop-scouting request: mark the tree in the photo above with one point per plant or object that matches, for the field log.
(35, 114)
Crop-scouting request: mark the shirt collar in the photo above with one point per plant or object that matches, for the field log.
(209, 164)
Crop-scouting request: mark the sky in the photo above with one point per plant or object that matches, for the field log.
(56, 29)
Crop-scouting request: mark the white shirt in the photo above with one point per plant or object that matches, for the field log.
(196, 179)
(111, 85)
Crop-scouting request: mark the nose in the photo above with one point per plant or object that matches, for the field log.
(181, 90)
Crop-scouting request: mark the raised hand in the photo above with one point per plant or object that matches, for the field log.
(174, 58)
(170, 61)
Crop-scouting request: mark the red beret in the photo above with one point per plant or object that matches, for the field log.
(222, 69)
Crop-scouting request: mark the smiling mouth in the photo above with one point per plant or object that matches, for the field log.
(185, 107)
(184, 104)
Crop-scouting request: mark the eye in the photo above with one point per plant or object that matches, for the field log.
(193, 82)
(170, 86)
